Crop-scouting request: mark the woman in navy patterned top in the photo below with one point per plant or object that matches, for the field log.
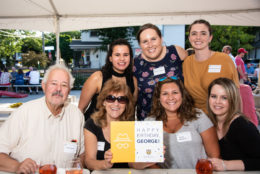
(155, 61)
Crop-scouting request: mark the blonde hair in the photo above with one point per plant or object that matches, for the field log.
(233, 97)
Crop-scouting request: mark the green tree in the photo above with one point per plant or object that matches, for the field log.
(235, 36)
(108, 35)
(65, 40)
(73, 34)
(31, 44)
(9, 45)
(33, 59)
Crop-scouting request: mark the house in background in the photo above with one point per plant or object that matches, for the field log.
(87, 55)
(85, 51)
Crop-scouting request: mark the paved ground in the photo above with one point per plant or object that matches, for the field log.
(33, 96)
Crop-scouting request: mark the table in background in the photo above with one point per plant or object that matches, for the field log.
(85, 171)
(5, 108)
(163, 171)
(5, 111)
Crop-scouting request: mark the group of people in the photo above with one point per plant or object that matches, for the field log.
(196, 97)
(244, 70)
(18, 78)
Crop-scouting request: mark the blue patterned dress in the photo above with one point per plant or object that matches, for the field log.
(143, 71)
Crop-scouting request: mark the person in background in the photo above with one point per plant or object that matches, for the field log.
(228, 50)
(256, 73)
(188, 133)
(13, 74)
(241, 65)
(249, 69)
(155, 61)
(239, 139)
(115, 103)
(34, 79)
(119, 65)
(19, 79)
(201, 68)
(5, 77)
(48, 127)
(28, 72)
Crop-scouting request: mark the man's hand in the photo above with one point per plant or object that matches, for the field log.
(27, 166)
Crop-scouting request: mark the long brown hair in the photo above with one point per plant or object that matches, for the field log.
(112, 86)
(233, 97)
(186, 112)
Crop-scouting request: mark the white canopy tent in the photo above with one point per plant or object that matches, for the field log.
(68, 15)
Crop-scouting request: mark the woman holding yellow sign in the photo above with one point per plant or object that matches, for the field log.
(114, 104)
(188, 133)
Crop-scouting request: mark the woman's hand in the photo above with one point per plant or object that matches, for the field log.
(218, 164)
(108, 157)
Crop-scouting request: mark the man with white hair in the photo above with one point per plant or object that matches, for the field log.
(49, 127)
(227, 49)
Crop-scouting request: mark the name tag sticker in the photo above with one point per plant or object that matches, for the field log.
(214, 68)
(159, 71)
(183, 137)
(101, 146)
(70, 147)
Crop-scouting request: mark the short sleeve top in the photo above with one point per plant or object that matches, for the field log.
(242, 142)
(146, 78)
(183, 153)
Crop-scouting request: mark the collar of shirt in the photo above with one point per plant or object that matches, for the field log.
(48, 112)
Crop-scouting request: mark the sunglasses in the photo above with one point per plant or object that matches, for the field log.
(120, 99)
(172, 77)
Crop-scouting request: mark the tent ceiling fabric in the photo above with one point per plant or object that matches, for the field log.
(88, 14)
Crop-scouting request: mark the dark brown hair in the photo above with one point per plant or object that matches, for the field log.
(186, 112)
(108, 67)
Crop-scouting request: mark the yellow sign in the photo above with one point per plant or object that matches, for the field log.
(137, 141)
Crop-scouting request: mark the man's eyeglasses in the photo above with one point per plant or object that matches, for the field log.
(172, 77)
(120, 99)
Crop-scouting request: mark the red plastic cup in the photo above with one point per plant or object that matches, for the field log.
(48, 169)
(204, 166)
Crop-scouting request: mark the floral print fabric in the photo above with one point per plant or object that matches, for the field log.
(143, 71)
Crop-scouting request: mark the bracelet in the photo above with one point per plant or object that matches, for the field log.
(224, 165)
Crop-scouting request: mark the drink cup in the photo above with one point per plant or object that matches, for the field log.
(47, 166)
(48, 169)
(204, 166)
(74, 167)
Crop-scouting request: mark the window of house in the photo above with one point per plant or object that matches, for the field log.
(93, 34)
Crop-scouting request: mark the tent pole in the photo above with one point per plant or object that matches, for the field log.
(57, 31)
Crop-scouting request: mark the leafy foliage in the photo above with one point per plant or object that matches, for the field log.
(65, 40)
(108, 35)
(31, 44)
(32, 59)
(9, 45)
(235, 36)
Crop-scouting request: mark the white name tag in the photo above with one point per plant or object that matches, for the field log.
(214, 68)
(159, 71)
(183, 137)
(70, 147)
(101, 146)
